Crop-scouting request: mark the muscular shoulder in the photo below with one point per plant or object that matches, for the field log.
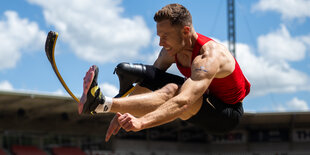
(164, 60)
(215, 59)
(213, 49)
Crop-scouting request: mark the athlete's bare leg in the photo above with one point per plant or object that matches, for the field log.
(139, 105)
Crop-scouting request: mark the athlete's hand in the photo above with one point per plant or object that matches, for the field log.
(126, 121)
(114, 127)
(130, 123)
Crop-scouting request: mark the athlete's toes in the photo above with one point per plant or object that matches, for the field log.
(93, 67)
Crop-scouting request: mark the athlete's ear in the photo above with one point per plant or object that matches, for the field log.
(186, 30)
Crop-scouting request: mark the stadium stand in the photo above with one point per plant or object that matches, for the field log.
(67, 151)
(2, 152)
(27, 150)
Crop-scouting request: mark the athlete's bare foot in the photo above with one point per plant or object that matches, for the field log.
(89, 80)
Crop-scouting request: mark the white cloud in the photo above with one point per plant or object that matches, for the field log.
(278, 108)
(268, 76)
(289, 9)
(305, 39)
(279, 46)
(293, 105)
(16, 35)
(297, 105)
(152, 57)
(96, 30)
(270, 72)
(108, 89)
(6, 85)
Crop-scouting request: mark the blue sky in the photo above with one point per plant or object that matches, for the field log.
(273, 44)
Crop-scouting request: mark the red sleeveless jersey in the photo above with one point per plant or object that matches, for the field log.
(230, 89)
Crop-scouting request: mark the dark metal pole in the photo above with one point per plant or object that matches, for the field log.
(231, 27)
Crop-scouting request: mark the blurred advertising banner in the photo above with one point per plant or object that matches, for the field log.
(301, 135)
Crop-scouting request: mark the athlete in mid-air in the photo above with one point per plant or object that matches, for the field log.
(210, 95)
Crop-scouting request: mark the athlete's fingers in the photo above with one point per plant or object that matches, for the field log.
(113, 127)
(127, 122)
(110, 131)
(123, 120)
(119, 126)
(116, 130)
(128, 126)
(123, 116)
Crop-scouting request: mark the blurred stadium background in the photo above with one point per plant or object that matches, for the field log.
(47, 124)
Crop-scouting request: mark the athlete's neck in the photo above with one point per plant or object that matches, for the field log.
(189, 43)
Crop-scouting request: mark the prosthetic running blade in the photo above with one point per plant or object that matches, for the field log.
(50, 52)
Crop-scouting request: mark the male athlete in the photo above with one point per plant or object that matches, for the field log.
(210, 95)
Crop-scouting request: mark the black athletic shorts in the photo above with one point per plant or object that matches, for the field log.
(219, 118)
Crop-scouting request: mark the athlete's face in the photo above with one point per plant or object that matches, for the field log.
(170, 37)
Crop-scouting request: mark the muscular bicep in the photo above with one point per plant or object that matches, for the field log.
(204, 69)
(163, 61)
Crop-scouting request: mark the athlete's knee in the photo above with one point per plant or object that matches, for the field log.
(169, 90)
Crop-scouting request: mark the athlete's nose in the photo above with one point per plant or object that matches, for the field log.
(161, 42)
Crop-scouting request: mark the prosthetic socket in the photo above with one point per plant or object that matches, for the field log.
(146, 75)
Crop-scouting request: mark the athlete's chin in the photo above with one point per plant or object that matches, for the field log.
(171, 53)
